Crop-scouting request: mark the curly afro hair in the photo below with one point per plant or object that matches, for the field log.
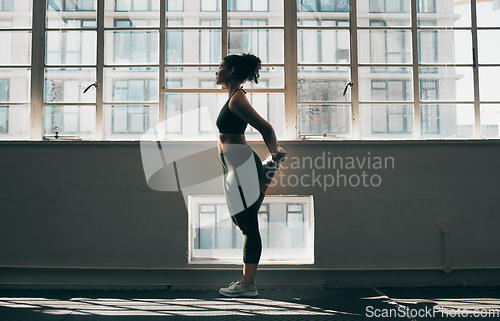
(246, 67)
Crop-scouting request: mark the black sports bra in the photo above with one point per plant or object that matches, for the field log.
(228, 122)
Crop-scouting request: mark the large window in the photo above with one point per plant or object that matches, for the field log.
(15, 68)
(360, 69)
(323, 59)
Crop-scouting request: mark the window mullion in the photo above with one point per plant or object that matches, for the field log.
(37, 60)
(290, 60)
(353, 18)
(224, 28)
(475, 71)
(416, 83)
(161, 81)
(100, 71)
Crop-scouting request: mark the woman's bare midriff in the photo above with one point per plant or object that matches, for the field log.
(230, 139)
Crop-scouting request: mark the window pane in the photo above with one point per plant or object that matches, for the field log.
(386, 121)
(489, 78)
(193, 15)
(323, 46)
(129, 121)
(15, 85)
(130, 85)
(211, 5)
(138, 13)
(265, 43)
(131, 47)
(384, 46)
(175, 5)
(443, 13)
(71, 14)
(70, 48)
(445, 46)
(446, 84)
(66, 85)
(447, 121)
(69, 120)
(488, 46)
(385, 84)
(239, 5)
(312, 13)
(204, 46)
(488, 13)
(16, 48)
(255, 12)
(394, 13)
(15, 14)
(490, 121)
(14, 121)
(323, 83)
(270, 77)
(426, 6)
(190, 77)
(193, 116)
(324, 120)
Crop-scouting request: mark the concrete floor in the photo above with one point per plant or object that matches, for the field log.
(271, 304)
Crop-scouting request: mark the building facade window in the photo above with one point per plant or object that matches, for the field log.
(130, 119)
(389, 6)
(177, 5)
(430, 121)
(426, 6)
(210, 5)
(248, 5)
(4, 119)
(391, 119)
(386, 90)
(138, 5)
(78, 5)
(323, 5)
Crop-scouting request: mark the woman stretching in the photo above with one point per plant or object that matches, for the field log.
(245, 179)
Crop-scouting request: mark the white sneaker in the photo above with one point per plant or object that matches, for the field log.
(235, 290)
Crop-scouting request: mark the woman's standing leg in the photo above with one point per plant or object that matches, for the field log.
(248, 222)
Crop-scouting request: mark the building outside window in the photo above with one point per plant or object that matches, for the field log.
(4, 119)
(248, 5)
(323, 5)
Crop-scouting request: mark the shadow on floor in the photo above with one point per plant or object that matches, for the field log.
(300, 304)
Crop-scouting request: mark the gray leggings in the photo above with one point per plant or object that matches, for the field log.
(247, 219)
